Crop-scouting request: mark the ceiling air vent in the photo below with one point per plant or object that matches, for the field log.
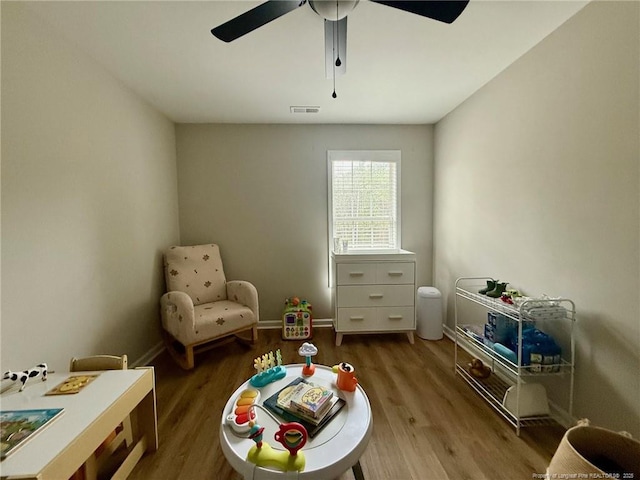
(304, 109)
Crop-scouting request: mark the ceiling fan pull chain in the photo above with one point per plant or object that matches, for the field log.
(333, 46)
(337, 37)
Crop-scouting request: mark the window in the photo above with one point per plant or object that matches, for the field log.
(364, 199)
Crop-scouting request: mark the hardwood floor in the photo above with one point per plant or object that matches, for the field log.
(427, 422)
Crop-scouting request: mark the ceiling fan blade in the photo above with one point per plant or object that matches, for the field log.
(335, 47)
(254, 18)
(443, 11)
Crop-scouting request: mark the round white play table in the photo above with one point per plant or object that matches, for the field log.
(333, 451)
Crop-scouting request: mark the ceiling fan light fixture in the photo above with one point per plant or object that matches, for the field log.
(333, 9)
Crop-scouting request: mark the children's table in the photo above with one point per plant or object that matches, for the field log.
(333, 451)
(89, 416)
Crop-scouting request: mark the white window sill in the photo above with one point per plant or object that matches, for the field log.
(374, 255)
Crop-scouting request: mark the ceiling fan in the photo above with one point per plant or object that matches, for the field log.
(335, 14)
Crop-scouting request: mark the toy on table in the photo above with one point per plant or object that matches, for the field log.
(291, 435)
(243, 416)
(308, 350)
(297, 320)
(269, 368)
(346, 377)
(40, 369)
(255, 433)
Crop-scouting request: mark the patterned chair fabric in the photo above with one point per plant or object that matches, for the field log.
(200, 305)
(197, 271)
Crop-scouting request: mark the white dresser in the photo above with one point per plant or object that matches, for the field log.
(374, 293)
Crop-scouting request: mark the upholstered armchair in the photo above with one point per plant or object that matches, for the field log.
(201, 307)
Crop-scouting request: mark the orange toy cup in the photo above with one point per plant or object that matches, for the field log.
(346, 377)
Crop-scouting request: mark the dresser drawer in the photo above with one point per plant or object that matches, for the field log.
(395, 273)
(375, 295)
(356, 273)
(375, 319)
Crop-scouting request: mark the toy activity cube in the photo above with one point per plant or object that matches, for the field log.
(297, 319)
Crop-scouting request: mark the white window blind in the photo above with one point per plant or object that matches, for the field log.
(364, 198)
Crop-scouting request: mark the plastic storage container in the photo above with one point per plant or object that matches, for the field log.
(429, 313)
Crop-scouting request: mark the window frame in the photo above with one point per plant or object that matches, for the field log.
(386, 156)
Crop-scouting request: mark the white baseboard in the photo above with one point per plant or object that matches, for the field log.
(262, 325)
(448, 332)
(149, 356)
(277, 324)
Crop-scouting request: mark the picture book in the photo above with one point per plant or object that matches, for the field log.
(73, 384)
(311, 400)
(277, 402)
(17, 426)
(314, 420)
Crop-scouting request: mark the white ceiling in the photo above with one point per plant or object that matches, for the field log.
(401, 68)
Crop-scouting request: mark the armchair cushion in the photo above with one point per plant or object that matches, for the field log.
(197, 271)
(214, 320)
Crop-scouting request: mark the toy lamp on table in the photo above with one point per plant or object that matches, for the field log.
(308, 350)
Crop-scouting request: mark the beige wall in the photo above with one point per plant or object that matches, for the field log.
(537, 183)
(89, 198)
(260, 192)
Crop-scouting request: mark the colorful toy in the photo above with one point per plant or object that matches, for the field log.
(509, 294)
(346, 377)
(269, 368)
(40, 369)
(291, 435)
(297, 319)
(243, 416)
(308, 350)
(255, 433)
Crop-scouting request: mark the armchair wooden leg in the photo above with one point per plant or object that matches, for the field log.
(254, 334)
(189, 356)
(185, 360)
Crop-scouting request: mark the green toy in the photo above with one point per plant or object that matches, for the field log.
(292, 435)
(297, 319)
(498, 290)
(491, 284)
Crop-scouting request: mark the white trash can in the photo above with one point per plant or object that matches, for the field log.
(429, 313)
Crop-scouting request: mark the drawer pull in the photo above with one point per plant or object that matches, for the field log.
(394, 274)
(376, 295)
(356, 274)
(356, 318)
(395, 317)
